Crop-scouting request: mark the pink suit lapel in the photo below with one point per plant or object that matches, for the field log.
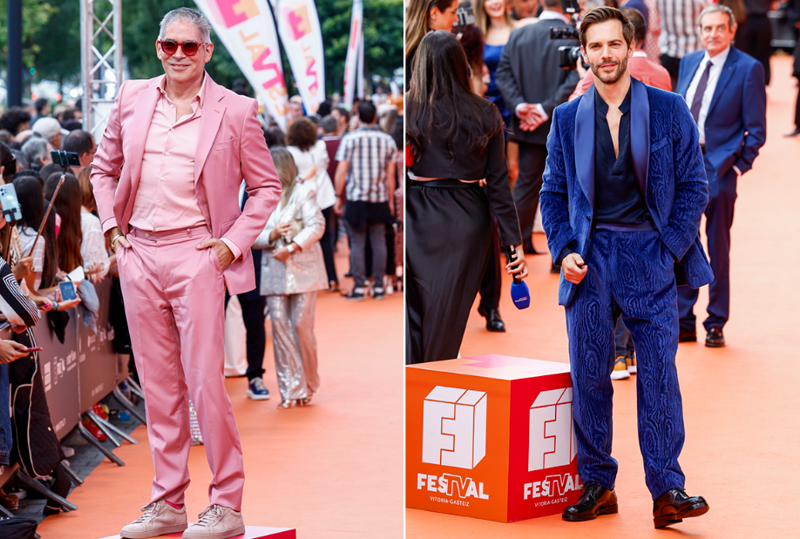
(210, 121)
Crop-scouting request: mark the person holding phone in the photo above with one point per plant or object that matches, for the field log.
(173, 218)
(455, 140)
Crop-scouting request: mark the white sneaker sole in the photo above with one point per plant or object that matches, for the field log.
(177, 528)
(255, 397)
(214, 535)
(620, 375)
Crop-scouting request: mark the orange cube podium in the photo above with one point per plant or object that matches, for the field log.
(490, 437)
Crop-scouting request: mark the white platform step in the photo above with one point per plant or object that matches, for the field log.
(251, 532)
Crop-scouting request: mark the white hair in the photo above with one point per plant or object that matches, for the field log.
(192, 16)
(717, 7)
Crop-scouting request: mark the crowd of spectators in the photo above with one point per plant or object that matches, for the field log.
(41, 250)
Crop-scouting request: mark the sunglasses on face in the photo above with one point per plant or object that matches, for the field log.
(170, 47)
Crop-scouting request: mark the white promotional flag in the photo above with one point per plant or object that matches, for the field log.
(361, 65)
(354, 54)
(298, 25)
(247, 30)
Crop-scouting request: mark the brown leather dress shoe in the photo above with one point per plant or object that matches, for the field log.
(594, 500)
(715, 338)
(674, 505)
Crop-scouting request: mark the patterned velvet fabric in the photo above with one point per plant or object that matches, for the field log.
(668, 166)
(632, 274)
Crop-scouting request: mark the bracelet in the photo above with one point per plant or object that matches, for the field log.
(115, 238)
(54, 307)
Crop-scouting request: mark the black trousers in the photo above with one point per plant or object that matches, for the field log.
(673, 66)
(448, 237)
(532, 159)
(753, 37)
(327, 243)
(253, 306)
(797, 107)
(492, 280)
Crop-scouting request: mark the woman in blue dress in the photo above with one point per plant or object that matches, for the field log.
(495, 22)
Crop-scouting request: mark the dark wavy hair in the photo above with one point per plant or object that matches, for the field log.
(440, 98)
(68, 206)
(32, 205)
(302, 133)
(603, 14)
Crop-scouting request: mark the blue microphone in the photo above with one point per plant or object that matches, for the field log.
(520, 294)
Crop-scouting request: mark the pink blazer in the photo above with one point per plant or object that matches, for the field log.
(231, 147)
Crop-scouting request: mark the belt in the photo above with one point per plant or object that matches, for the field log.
(647, 226)
(447, 183)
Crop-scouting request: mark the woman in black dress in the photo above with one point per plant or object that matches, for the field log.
(455, 140)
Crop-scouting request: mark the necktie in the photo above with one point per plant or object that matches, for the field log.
(697, 101)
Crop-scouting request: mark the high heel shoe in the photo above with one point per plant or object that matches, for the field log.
(285, 404)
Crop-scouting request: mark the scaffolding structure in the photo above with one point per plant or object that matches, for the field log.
(101, 72)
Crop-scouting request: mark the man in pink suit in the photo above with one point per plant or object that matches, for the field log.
(172, 214)
(639, 66)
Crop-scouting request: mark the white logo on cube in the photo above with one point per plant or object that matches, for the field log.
(454, 427)
(552, 435)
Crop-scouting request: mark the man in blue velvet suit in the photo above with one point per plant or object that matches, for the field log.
(624, 190)
(724, 89)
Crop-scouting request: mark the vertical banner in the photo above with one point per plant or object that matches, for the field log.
(247, 30)
(354, 52)
(360, 79)
(298, 25)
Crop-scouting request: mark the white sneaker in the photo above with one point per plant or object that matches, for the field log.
(159, 518)
(216, 522)
(620, 371)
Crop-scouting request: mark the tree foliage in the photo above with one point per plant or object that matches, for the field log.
(35, 15)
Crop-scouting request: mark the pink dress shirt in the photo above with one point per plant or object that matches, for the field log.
(166, 198)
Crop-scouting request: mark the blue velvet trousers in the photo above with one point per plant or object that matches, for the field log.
(630, 274)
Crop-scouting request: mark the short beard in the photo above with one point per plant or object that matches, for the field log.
(614, 77)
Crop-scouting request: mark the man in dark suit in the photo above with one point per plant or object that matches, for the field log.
(724, 89)
(533, 85)
(624, 168)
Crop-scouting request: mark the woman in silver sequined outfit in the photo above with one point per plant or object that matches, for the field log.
(291, 274)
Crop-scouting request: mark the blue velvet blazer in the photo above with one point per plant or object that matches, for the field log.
(669, 171)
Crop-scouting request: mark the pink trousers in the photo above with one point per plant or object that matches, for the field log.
(174, 297)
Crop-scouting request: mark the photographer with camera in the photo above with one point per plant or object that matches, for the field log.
(533, 84)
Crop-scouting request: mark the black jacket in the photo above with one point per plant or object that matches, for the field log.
(528, 73)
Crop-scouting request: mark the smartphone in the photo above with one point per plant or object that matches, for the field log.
(35, 349)
(67, 290)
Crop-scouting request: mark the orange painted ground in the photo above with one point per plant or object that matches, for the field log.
(741, 403)
(331, 470)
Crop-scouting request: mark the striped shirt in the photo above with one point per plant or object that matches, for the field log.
(679, 31)
(368, 150)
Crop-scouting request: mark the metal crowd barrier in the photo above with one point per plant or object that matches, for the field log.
(78, 373)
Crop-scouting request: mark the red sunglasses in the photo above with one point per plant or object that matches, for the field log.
(170, 47)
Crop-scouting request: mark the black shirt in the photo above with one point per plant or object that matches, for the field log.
(617, 198)
(437, 162)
